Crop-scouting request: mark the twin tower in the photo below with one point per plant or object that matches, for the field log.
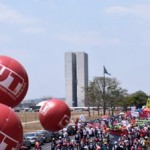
(76, 78)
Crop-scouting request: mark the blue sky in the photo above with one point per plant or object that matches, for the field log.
(114, 33)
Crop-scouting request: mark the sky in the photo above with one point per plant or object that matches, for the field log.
(114, 34)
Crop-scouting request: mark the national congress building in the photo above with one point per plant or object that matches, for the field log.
(76, 78)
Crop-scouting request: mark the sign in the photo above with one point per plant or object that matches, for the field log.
(82, 117)
(135, 114)
(133, 108)
(148, 103)
(118, 132)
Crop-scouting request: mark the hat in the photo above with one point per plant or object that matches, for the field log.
(126, 141)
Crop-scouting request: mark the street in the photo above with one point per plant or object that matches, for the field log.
(47, 146)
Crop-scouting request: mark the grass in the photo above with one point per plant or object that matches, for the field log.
(28, 118)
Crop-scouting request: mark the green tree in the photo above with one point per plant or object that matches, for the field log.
(138, 98)
(103, 92)
(124, 102)
(115, 95)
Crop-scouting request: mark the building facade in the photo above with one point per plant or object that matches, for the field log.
(76, 78)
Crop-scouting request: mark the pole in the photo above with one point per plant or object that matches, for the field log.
(104, 102)
(104, 94)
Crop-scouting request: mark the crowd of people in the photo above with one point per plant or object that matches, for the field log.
(113, 133)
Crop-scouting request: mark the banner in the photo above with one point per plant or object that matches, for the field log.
(148, 103)
(82, 118)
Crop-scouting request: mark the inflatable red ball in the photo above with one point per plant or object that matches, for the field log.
(13, 81)
(11, 132)
(54, 115)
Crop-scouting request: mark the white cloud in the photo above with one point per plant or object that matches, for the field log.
(5, 38)
(9, 15)
(141, 10)
(117, 10)
(88, 39)
(50, 3)
(34, 30)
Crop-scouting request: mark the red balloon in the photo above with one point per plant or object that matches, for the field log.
(11, 131)
(13, 81)
(54, 115)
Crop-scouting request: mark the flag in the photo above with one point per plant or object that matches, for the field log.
(140, 110)
(105, 71)
(148, 103)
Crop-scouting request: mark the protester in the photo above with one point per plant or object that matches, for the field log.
(37, 145)
(96, 136)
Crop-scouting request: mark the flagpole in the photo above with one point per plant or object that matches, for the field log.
(104, 103)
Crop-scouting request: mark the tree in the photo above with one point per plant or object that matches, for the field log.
(115, 95)
(124, 102)
(103, 92)
(138, 99)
